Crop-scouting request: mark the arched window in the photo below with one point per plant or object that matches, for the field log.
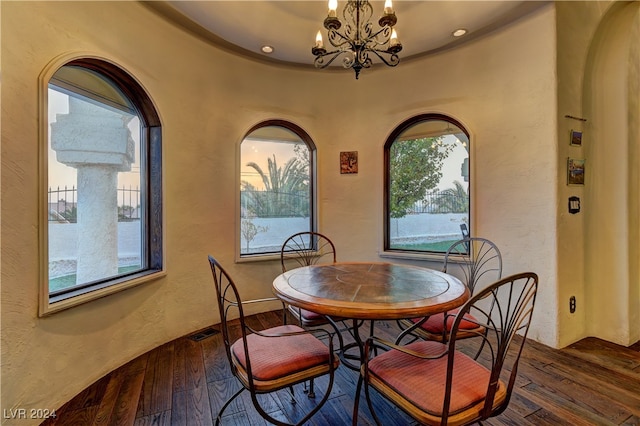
(426, 185)
(277, 186)
(103, 206)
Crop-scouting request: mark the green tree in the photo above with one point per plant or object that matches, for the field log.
(415, 167)
(452, 200)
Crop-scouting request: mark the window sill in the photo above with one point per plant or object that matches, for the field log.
(111, 287)
(436, 257)
(257, 258)
(430, 257)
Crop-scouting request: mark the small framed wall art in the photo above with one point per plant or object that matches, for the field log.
(348, 162)
(576, 138)
(575, 171)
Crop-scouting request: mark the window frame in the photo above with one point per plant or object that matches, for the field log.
(387, 251)
(313, 213)
(152, 163)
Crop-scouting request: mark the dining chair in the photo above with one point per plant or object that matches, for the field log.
(306, 249)
(438, 383)
(269, 360)
(464, 229)
(477, 262)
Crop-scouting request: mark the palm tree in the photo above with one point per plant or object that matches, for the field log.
(283, 186)
(290, 178)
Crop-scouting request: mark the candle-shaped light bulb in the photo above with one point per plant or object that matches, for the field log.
(319, 42)
(388, 7)
(333, 6)
(393, 41)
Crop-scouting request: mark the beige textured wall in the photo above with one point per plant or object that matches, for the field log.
(634, 178)
(502, 88)
(598, 248)
(611, 96)
(575, 28)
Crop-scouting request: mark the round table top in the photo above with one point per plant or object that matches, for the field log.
(370, 290)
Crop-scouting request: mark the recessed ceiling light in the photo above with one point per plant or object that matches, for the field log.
(267, 49)
(459, 32)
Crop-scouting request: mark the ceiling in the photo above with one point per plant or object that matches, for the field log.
(423, 27)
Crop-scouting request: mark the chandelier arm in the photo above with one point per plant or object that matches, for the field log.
(319, 61)
(386, 36)
(393, 57)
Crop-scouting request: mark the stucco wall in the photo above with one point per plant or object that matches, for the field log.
(598, 248)
(611, 90)
(502, 88)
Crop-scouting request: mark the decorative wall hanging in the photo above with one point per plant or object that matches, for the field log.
(576, 138)
(575, 171)
(348, 162)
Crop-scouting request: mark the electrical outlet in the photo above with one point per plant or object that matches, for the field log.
(572, 304)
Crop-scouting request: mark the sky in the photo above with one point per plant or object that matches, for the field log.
(257, 151)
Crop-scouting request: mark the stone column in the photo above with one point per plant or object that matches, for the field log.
(97, 142)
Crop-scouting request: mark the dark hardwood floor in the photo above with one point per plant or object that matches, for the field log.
(186, 381)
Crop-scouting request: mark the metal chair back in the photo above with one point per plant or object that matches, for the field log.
(476, 261)
(504, 309)
(230, 307)
(305, 249)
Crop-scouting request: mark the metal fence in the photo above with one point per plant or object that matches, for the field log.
(63, 204)
(441, 202)
(264, 204)
(273, 204)
(270, 204)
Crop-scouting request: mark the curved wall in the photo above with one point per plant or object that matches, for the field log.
(501, 87)
(612, 90)
(598, 248)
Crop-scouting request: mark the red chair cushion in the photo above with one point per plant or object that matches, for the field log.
(311, 318)
(422, 382)
(435, 323)
(310, 315)
(276, 357)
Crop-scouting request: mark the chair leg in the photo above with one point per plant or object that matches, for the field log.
(356, 402)
(337, 333)
(372, 326)
(226, 404)
(311, 393)
(370, 404)
(309, 414)
(293, 399)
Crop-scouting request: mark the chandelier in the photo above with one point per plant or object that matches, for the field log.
(358, 41)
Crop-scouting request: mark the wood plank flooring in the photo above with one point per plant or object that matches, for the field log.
(185, 382)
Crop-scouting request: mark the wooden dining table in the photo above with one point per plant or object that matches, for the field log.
(370, 291)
